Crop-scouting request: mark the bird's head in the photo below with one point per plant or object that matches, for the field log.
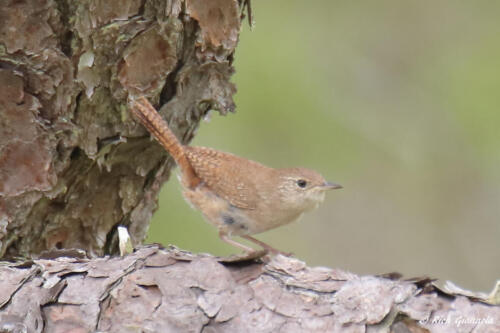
(303, 189)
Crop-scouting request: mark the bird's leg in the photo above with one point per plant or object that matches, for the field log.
(228, 240)
(266, 246)
(250, 254)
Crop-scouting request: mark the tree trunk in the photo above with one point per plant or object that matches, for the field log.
(167, 290)
(73, 162)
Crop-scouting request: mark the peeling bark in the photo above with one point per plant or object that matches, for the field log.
(168, 290)
(73, 162)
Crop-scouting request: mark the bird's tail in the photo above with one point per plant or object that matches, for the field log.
(155, 124)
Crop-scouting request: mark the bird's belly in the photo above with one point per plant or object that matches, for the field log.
(271, 222)
(250, 222)
(220, 213)
(235, 221)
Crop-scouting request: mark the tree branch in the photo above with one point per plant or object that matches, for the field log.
(168, 290)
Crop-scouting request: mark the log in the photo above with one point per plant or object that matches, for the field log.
(159, 289)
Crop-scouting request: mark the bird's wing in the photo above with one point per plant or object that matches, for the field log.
(228, 176)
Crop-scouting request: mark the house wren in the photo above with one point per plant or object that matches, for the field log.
(238, 196)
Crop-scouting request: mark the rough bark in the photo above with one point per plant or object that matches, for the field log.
(167, 290)
(73, 162)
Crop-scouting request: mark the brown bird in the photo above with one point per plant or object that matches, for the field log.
(238, 196)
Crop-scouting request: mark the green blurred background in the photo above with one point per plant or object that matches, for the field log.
(399, 101)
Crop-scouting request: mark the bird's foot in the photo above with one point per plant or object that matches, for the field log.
(246, 256)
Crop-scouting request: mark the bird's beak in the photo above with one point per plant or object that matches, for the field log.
(330, 186)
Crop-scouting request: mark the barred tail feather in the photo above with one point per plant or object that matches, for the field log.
(155, 124)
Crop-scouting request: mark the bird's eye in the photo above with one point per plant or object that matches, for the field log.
(301, 183)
